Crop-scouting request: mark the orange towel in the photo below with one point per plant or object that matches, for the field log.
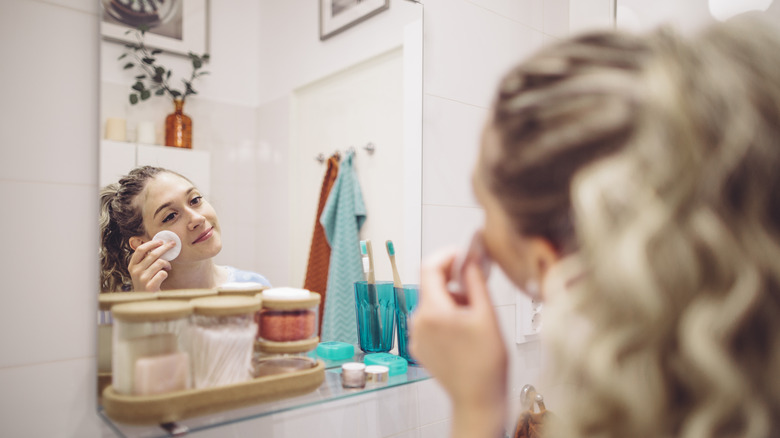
(531, 424)
(319, 253)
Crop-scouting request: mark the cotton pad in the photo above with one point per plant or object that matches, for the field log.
(169, 236)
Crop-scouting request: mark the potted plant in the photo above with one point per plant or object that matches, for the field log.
(154, 79)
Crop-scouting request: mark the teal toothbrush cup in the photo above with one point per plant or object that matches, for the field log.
(375, 308)
(406, 299)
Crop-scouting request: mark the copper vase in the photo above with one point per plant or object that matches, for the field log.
(178, 127)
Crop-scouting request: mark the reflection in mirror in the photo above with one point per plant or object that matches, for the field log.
(688, 16)
(276, 97)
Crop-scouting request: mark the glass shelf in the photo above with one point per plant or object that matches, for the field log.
(330, 389)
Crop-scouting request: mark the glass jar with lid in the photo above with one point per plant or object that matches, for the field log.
(221, 339)
(148, 352)
(289, 316)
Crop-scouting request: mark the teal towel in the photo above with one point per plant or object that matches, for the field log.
(342, 218)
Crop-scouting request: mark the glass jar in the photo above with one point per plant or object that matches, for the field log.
(288, 315)
(221, 340)
(265, 364)
(149, 355)
(106, 301)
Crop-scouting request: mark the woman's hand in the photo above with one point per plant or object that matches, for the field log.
(462, 346)
(147, 269)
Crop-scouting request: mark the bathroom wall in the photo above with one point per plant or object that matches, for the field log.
(49, 132)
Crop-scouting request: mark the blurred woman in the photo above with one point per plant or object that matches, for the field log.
(658, 268)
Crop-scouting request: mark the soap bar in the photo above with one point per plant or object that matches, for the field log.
(161, 374)
(335, 350)
(396, 364)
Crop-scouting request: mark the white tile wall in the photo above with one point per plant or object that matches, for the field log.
(556, 18)
(49, 310)
(469, 48)
(452, 130)
(48, 180)
(526, 12)
(50, 49)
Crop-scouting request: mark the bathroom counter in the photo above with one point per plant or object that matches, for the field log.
(330, 390)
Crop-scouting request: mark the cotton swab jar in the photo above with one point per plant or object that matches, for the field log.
(106, 301)
(288, 315)
(148, 355)
(221, 340)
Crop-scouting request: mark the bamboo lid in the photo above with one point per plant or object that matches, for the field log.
(150, 311)
(106, 300)
(225, 305)
(301, 346)
(289, 299)
(186, 294)
(245, 289)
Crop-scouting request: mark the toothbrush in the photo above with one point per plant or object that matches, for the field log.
(373, 299)
(396, 278)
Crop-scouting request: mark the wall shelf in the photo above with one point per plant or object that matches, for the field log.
(330, 390)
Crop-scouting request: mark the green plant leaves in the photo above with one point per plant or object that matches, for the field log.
(146, 62)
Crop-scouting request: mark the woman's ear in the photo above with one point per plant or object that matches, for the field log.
(136, 241)
(543, 256)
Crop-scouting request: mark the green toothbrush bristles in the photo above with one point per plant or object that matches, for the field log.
(390, 248)
(363, 249)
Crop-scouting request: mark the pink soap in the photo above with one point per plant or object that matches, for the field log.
(161, 374)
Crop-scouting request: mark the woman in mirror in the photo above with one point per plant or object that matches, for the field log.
(631, 180)
(144, 202)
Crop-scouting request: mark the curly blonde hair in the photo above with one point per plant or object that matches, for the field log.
(674, 331)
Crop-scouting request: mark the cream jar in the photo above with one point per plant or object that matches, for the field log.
(221, 340)
(148, 356)
(288, 315)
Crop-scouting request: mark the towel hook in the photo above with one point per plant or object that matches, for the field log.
(370, 148)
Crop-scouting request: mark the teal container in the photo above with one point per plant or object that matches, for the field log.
(395, 364)
(335, 350)
(406, 299)
(375, 308)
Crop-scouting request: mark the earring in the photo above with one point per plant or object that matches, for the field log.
(532, 289)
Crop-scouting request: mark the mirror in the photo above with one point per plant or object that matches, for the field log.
(277, 96)
(688, 16)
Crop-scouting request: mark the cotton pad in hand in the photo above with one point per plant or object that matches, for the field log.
(169, 236)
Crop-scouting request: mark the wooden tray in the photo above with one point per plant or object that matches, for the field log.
(175, 406)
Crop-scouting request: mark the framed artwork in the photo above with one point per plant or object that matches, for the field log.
(176, 26)
(339, 15)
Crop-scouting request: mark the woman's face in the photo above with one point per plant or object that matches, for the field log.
(170, 202)
(524, 259)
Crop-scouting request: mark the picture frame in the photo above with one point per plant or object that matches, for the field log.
(337, 16)
(181, 30)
